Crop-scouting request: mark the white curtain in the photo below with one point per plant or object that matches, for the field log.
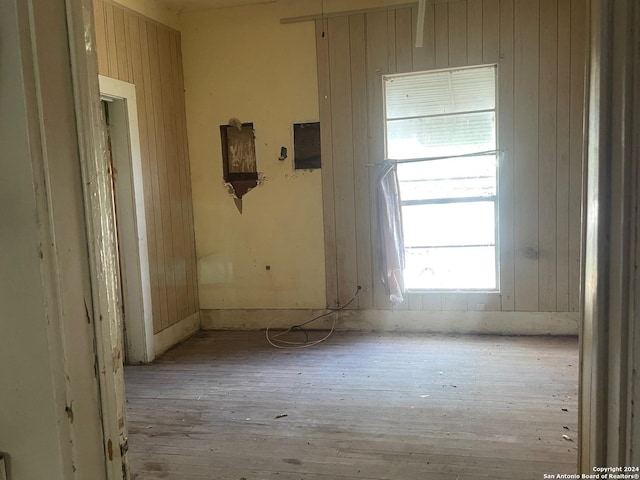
(390, 232)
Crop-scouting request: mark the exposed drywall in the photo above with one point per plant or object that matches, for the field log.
(154, 10)
(241, 62)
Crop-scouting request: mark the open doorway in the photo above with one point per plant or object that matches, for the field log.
(119, 102)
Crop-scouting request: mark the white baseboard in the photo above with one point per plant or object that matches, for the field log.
(503, 323)
(167, 338)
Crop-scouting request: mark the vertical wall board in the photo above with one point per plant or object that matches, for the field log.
(578, 75)
(189, 230)
(183, 159)
(121, 45)
(101, 38)
(138, 79)
(163, 177)
(526, 154)
(454, 301)
(441, 21)
(414, 300)
(328, 207)
(391, 41)
(175, 229)
(474, 32)
(112, 55)
(404, 40)
(458, 33)
(491, 36)
(431, 302)
(547, 128)
(562, 155)
(342, 144)
(163, 314)
(506, 158)
(357, 45)
(377, 65)
(424, 58)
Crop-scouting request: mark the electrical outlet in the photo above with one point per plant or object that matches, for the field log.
(480, 307)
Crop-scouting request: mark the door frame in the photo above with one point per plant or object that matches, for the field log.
(131, 219)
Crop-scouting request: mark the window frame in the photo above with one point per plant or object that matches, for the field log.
(495, 198)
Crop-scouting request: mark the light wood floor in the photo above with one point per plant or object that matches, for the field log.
(226, 405)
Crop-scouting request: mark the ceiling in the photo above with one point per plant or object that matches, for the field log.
(191, 5)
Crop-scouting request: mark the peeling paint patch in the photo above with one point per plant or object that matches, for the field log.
(69, 410)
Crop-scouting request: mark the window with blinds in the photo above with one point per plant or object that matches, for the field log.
(440, 128)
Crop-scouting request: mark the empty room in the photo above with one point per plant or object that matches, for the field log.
(323, 239)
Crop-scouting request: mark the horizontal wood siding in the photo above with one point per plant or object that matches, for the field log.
(539, 46)
(138, 50)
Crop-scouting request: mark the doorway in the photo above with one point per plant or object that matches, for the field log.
(119, 99)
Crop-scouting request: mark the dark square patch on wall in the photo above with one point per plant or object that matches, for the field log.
(306, 143)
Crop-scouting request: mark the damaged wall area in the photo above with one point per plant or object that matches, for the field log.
(259, 71)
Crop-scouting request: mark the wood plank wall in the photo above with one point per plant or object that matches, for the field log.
(540, 49)
(138, 50)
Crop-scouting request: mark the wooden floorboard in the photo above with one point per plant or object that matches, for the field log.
(226, 405)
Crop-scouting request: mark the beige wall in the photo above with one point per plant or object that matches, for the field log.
(154, 10)
(241, 62)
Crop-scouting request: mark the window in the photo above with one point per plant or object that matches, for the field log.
(440, 127)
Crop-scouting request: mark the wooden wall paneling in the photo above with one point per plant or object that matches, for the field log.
(491, 23)
(547, 128)
(526, 154)
(183, 167)
(458, 33)
(163, 180)
(101, 37)
(195, 306)
(506, 160)
(578, 75)
(404, 40)
(391, 41)
(163, 314)
(342, 144)
(121, 45)
(328, 200)
(441, 21)
(432, 301)
(424, 58)
(562, 155)
(130, 45)
(377, 65)
(480, 301)
(173, 190)
(112, 55)
(474, 32)
(454, 301)
(143, 126)
(360, 122)
(414, 300)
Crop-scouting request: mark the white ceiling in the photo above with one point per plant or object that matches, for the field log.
(191, 5)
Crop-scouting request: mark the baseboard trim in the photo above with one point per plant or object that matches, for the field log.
(503, 323)
(169, 337)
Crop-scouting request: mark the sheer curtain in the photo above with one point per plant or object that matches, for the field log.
(390, 232)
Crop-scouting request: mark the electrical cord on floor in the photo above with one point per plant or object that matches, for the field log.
(277, 342)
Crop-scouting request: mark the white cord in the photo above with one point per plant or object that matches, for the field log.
(274, 341)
